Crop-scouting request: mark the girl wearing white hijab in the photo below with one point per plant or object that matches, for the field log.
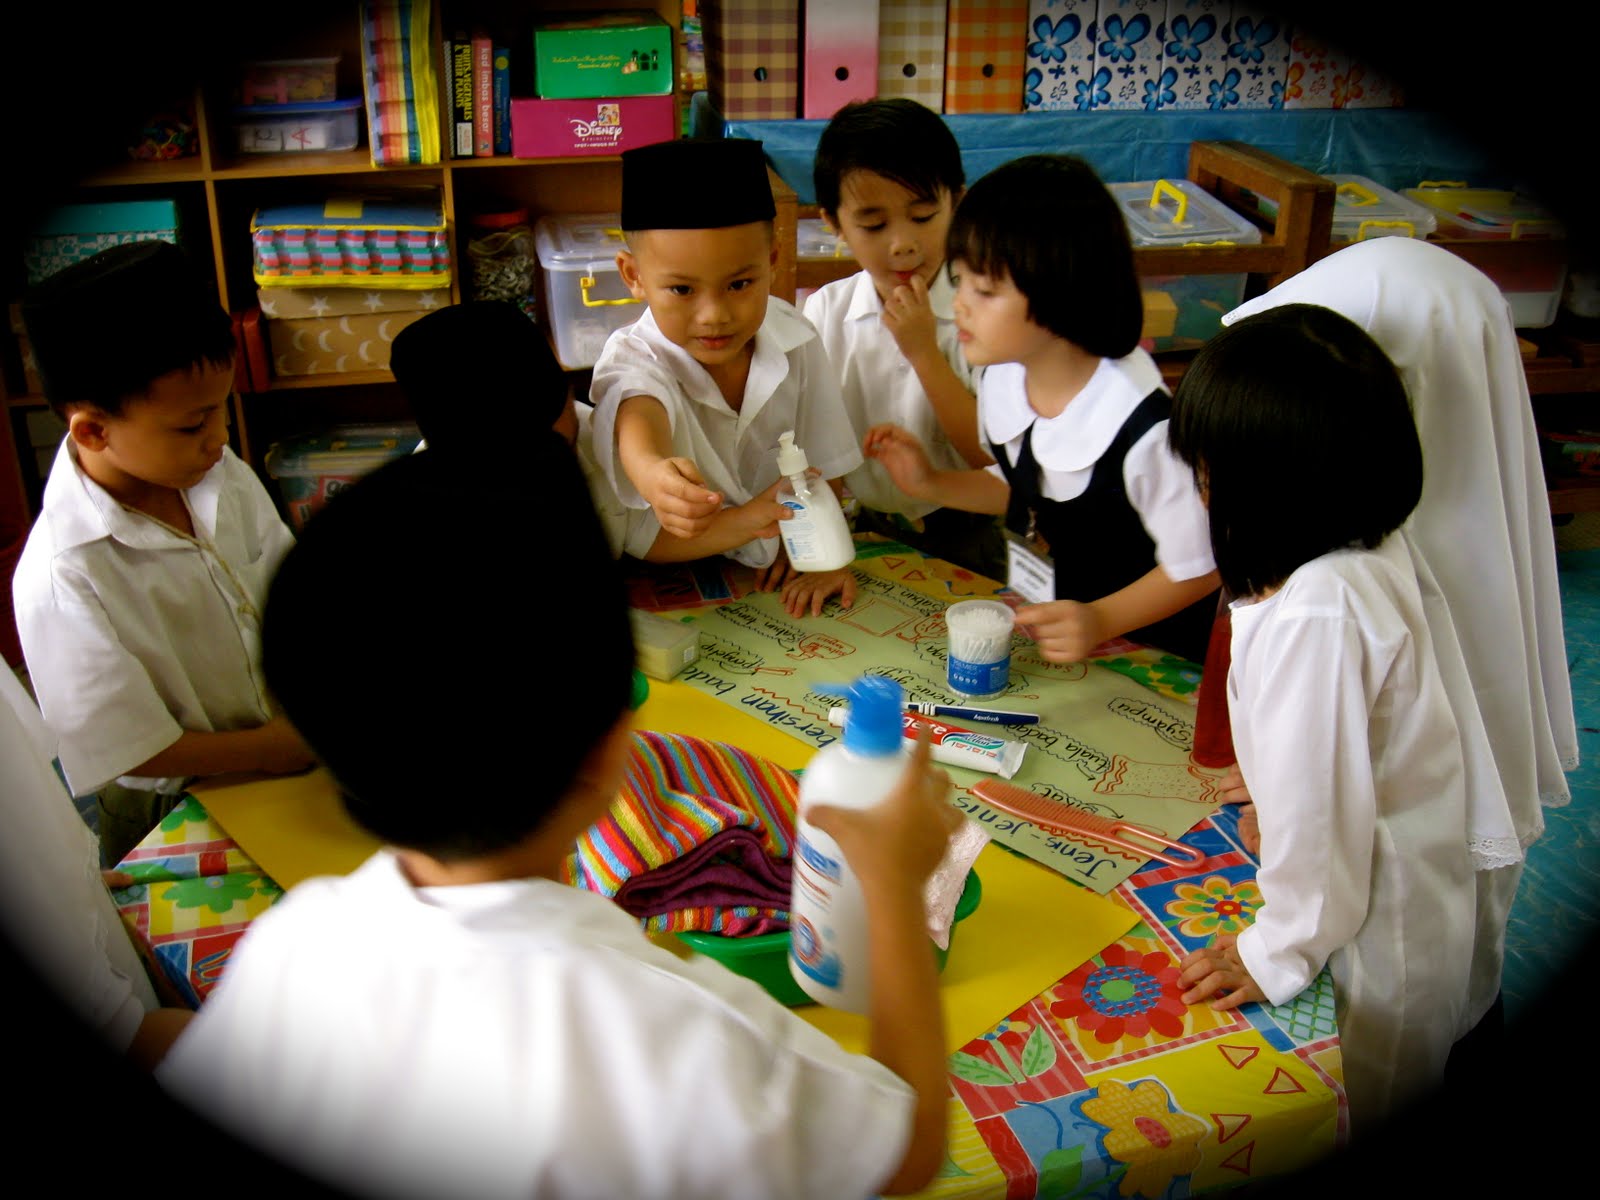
(1483, 535)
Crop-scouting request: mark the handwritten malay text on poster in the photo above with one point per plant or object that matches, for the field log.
(1103, 743)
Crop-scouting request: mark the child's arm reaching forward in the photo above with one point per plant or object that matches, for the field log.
(670, 484)
(274, 749)
(893, 847)
(904, 457)
(1066, 630)
(726, 529)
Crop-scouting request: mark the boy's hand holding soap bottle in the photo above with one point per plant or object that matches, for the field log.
(816, 536)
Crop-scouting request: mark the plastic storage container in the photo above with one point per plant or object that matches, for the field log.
(814, 241)
(1179, 212)
(309, 470)
(279, 128)
(1532, 287)
(584, 296)
(500, 253)
(289, 80)
(1364, 208)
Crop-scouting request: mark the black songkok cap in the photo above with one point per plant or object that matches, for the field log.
(695, 183)
(480, 356)
(107, 326)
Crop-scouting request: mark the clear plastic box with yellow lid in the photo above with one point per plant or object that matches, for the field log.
(584, 296)
(1179, 212)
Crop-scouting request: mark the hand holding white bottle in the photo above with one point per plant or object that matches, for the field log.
(816, 536)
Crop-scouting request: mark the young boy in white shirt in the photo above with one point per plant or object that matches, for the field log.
(449, 1019)
(691, 398)
(459, 359)
(138, 593)
(888, 176)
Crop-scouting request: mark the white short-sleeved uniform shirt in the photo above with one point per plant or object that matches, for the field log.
(523, 1039)
(1349, 746)
(54, 906)
(1067, 446)
(790, 386)
(628, 530)
(879, 386)
(132, 631)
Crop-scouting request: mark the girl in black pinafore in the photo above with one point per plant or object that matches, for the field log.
(1107, 533)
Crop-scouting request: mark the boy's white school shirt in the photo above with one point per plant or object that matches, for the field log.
(54, 906)
(791, 386)
(1067, 446)
(133, 633)
(523, 1039)
(1349, 746)
(879, 386)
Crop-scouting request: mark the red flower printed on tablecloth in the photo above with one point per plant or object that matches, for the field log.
(1124, 993)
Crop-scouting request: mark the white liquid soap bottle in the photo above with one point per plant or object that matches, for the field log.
(828, 952)
(816, 537)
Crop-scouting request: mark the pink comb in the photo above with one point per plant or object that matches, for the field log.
(1074, 822)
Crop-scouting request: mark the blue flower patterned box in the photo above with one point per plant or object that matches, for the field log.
(73, 232)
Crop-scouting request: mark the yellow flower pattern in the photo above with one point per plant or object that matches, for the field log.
(1215, 905)
(1144, 1132)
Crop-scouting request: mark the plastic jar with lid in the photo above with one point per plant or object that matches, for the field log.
(501, 252)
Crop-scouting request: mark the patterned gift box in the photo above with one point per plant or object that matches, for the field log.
(1060, 63)
(1195, 67)
(752, 58)
(1364, 87)
(353, 241)
(1313, 66)
(1257, 42)
(71, 233)
(1127, 53)
(840, 57)
(911, 51)
(283, 304)
(984, 49)
(335, 345)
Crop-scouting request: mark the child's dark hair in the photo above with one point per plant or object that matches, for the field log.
(1301, 438)
(895, 137)
(104, 329)
(1049, 224)
(452, 680)
(481, 356)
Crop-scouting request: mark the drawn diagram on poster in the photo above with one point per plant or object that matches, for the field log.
(1103, 743)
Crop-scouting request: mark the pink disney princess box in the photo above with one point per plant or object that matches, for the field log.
(607, 125)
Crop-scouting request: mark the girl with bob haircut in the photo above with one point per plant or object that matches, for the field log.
(1074, 414)
(1345, 733)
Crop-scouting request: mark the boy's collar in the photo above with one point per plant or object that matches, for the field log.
(80, 511)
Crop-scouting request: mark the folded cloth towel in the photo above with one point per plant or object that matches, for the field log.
(727, 885)
(665, 838)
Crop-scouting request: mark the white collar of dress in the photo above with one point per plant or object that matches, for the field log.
(1074, 439)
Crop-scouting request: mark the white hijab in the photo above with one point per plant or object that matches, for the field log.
(1482, 534)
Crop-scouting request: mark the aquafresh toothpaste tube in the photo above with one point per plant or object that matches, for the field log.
(955, 745)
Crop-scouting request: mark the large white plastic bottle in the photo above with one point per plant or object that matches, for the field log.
(828, 917)
(817, 537)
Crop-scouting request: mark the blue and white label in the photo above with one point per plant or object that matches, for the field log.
(979, 679)
(807, 954)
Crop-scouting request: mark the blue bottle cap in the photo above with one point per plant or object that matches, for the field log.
(874, 726)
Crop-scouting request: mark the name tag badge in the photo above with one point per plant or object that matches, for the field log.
(1030, 571)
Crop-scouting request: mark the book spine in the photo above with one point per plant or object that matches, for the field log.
(502, 100)
(461, 98)
(483, 97)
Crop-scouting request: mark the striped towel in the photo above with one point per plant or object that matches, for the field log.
(699, 838)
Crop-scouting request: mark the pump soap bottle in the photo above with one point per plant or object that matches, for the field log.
(816, 537)
(828, 952)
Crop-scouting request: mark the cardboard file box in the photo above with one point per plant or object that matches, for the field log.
(752, 58)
